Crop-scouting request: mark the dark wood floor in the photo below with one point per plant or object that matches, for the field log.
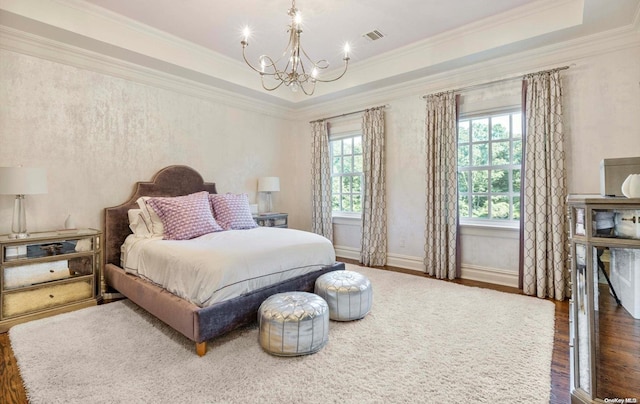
(625, 342)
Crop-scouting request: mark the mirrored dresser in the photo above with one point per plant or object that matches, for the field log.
(604, 309)
(48, 273)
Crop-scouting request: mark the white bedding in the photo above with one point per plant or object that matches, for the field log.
(223, 265)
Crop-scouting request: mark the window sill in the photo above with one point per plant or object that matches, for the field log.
(354, 219)
(479, 224)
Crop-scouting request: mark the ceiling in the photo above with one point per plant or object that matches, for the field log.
(200, 39)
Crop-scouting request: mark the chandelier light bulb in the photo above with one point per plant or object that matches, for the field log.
(346, 50)
(314, 72)
(246, 32)
(298, 19)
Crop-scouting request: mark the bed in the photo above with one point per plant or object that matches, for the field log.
(196, 323)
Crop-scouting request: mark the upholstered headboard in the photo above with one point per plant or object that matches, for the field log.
(170, 181)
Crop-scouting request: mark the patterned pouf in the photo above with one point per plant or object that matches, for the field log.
(348, 294)
(293, 323)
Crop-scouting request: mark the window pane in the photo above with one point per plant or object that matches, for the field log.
(480, 154)
(335, 202)
(336, 147)
(337, 165)
(500, 181)
(480, 207)
(516, 207)
(480, 180)
(463, 155)
(347, 164)
(357, 164)
(356, 184)
(516, 125)
(346, 203)
(463, 205)
(517, 151)
(347, 146)
(516, 181)
(335, 185)
(480, 129)
(489, 156)
(500, 153)
(500, 127)
(463, 181)
(463, 132)
(500, 207)
(357, 145)
(357, 203)
(346, 184)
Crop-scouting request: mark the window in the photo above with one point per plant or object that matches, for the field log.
(489, 167)
(346, 174)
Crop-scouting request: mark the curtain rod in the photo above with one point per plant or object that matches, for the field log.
(520, 76)
(349, 113)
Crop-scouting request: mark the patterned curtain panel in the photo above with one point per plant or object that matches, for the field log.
(544, 269)
(373, 251)
(321, 181)
(442, 186)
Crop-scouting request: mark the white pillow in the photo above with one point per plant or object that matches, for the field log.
(150, 216)
(138, 224)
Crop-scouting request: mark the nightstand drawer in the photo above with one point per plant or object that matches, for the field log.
(33, 300)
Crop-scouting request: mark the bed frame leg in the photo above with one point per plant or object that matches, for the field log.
(201, 348)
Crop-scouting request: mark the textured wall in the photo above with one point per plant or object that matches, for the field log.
(97, 134)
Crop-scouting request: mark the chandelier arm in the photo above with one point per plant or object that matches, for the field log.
(244, 56)
(346, 65)
(313, 88)
(270, 88)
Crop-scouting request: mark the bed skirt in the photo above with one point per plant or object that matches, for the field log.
(200, 324)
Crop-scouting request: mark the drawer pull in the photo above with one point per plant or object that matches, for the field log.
(51, 296)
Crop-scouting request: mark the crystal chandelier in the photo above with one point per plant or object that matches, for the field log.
(294, 74)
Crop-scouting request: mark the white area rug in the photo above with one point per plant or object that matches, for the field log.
(425, 341)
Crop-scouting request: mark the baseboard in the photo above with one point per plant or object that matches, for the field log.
(393, 260)
(478, 273)
(347, 252)
(406, 262)
(490, 275)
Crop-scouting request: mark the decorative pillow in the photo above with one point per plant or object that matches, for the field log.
(185, 217)
(150, 216)
(232, 211)
(137, 224)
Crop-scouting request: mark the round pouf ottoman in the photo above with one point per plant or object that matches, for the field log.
(348, 294)
(293, 323)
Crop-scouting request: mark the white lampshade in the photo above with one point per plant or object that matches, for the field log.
(268, 184)
(23, 180)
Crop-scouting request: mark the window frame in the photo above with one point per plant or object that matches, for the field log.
(350, 134)
(509, 167)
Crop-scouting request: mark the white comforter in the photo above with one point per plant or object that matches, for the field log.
(227, 264)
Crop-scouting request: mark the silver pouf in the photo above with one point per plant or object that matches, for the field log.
(293, 323)
(348, 294)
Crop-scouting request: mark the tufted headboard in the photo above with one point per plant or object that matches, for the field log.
(170, 181)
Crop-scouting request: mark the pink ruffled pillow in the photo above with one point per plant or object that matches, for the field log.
(232, 211)
(185, 217)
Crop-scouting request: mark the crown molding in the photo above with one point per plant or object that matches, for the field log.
(23, 42)
(88, 21)
(520, 24)
(433, 79)
(563, 53)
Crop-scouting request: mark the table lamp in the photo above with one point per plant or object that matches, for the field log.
(21, 181)
(269, 185)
